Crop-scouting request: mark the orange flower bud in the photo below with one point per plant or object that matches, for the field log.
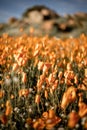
(51, 113)
(69, 66)
(55, 85)
(37, 99)
(24, 77)
(8, 108)
(24, 61)
(51, 78)
(85, 72)
(45, 69)
(1, 93)
(60, 74)
(76, 80)
(15, 66)
(20, 60)
(51, 90)
(46, 94)
(40, 65)
(8, 111)
(36, 52)
(12, 96)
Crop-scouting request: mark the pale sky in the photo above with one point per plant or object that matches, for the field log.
(15, 8)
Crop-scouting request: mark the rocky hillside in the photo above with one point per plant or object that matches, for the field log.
(40, 20)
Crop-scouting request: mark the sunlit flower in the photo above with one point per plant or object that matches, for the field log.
(42, 78)
(45, 115)
(12, 96)
(60, 74)
(76, 79)
(15, 66)
(24, 77)
(51, 78)
(68, 96)
(2, 93)
(40, 65)
(85, 72)
(52, 119)
(73, 119)
(51, 113)
(54, 86)
(36, 53)
(45, 69)
(8, 108)
(37, 99)
(39, 124)
(82, 109)
(69, 67)
(46, 94)
(23, 92)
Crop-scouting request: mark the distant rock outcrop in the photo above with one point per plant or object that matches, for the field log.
(40, 20)
(12, 20)
(81, 16)
(43, 13)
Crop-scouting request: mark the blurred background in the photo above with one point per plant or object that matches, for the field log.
(14, 8)
(60, 18)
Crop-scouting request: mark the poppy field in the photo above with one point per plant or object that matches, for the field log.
(43, 83)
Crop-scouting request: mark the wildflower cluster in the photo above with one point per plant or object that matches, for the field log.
(43, 83)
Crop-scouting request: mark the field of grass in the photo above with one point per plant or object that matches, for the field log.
(43, 83)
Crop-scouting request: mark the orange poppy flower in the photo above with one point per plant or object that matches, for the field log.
(73, 119)
(68, 96)
(23, 92)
